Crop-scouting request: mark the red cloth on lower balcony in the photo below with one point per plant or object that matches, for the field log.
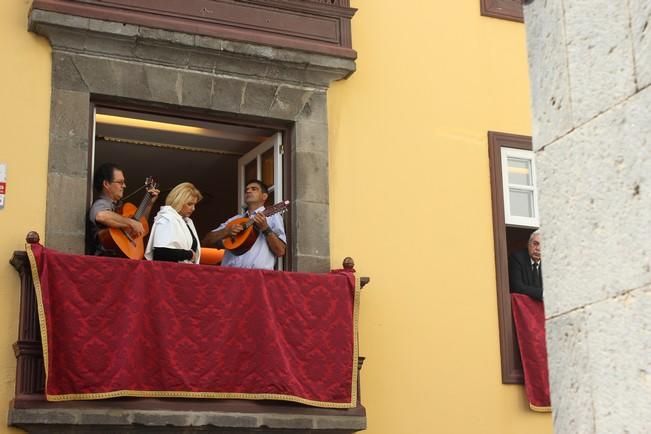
(529, 319)
(117, 327)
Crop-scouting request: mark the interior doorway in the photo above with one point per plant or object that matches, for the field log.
(175, 149)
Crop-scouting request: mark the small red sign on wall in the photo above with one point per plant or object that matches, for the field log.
(3, 187)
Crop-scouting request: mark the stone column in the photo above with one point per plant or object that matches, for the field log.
(590, 70)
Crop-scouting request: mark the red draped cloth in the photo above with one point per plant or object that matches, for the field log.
(117, 327)
(529, 319)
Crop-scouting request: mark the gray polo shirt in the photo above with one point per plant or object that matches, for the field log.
(101, 204)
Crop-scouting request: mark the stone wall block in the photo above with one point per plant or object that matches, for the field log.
(64, 117)
(227, 94)
(334, 422)
(197, 90)
(161, 35)
(312, 226)
(164, 84)
(66, 198)
(640, 12)
(569, 376)
(296, 74)
(96, 73)
(316, 107)
(290, 422)
(130, 79)
(548, 72)
(67, 126)
(594, 182)
(619, 342)
(162, 53)
(600, 55)
(66, 74)
(313, 264)
(120, 29)
(258, 98)
(288, 102)
(68, 157)
(62, 39)
(311, 182)
(246, 67)
(201, 61)
(58, 19)
(113, 46)
(311, 136)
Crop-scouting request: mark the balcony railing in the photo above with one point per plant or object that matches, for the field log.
(31, 411)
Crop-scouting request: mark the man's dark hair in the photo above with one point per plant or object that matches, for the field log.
(262, 185)
(104, 173)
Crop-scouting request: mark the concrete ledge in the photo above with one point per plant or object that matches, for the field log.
(117, 420)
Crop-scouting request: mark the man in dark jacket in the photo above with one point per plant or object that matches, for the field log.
(525, 273)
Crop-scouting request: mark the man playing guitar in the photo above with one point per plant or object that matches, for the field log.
(109, 183)
(271, 240)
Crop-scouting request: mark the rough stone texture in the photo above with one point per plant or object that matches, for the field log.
(311, 136)
(594, 183)
(595, 206)
(116, 420)
(94, 57)
(64, 67)
(619, 341)
(313, 173)
(569, 376)
(319, 264)
(227, 94)
(640, 13)
(548, 72)
(69, 133)
(65, 213)
(309, 235)
(600, 55)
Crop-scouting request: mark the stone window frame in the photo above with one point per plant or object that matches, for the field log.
(510, 10)
(286, 129)
(511, 365)
(158, 68)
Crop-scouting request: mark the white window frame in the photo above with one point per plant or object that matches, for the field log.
(511, 220)
(274, 141)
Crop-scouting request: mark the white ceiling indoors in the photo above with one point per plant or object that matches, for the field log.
(174, 150)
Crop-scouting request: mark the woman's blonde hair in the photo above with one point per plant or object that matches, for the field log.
(181, 194)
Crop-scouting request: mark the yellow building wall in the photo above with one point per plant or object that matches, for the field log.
(24, 117)
(410, 202)
(410, 198)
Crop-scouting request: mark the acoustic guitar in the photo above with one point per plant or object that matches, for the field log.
(243, 241)
(118, 239)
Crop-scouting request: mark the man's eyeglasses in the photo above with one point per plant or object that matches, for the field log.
(122, 182)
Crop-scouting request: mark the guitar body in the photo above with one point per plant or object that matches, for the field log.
(118, 240)
(242, 242)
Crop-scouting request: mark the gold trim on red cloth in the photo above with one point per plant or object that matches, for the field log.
(540, 409)
(188, 394)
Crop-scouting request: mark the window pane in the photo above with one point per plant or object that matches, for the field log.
(268, 167)
(521, 203)
(251, 170)
(519, 171)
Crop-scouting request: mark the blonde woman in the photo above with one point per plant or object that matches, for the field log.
(173, 236)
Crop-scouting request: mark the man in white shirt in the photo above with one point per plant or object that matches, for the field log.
(271, 241)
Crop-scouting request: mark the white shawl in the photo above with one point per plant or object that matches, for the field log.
(170, 230)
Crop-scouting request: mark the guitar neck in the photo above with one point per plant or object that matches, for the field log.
(143, 206)
(267, 212)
